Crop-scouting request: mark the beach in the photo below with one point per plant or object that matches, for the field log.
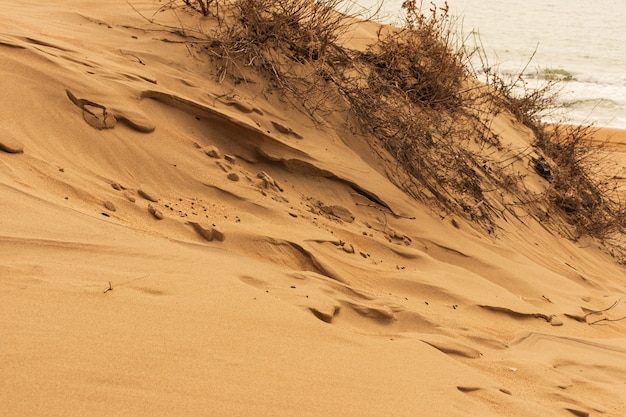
(173, 243)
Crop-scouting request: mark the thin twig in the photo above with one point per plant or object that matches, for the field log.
(606, 319)
(110, 288)
(604, 310)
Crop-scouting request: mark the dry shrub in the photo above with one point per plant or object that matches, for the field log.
(511, 91)
(200, 5)
(294, 43)
(273, 35)
(407, 91)
(423, 59)
(414, 93)
(301, 29)
(589, 203)
(528, 104)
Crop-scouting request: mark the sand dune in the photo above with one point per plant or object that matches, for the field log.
(172, 245)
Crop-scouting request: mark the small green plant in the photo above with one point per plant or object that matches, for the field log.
(557, 74)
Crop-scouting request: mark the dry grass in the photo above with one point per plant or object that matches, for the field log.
(422, 59)
(594, 206)
(412, 91)
(292, 42)
(414, 94)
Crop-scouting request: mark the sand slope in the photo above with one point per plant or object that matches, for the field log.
(175, 246)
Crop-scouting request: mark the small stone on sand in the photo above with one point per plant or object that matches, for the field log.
(233, 176)
(268, 182)
(284, 129)
(109, 206)
(156, 213)
(213, 152)
(348, 248)
(224, 167)
(556, 321)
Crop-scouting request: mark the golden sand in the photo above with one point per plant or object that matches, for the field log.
(207, 251)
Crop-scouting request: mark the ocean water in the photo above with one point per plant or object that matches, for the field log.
(583, 41)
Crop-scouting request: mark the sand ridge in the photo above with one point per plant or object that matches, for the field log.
(213, 250)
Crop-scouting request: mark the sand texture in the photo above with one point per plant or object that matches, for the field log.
(175, 246)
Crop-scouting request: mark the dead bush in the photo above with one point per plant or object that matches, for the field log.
(415, 95)
(408, 90)
(292, 42)
(511, 91)
(422, 59)
(594, 206)
(272, 34)
(200, 5)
